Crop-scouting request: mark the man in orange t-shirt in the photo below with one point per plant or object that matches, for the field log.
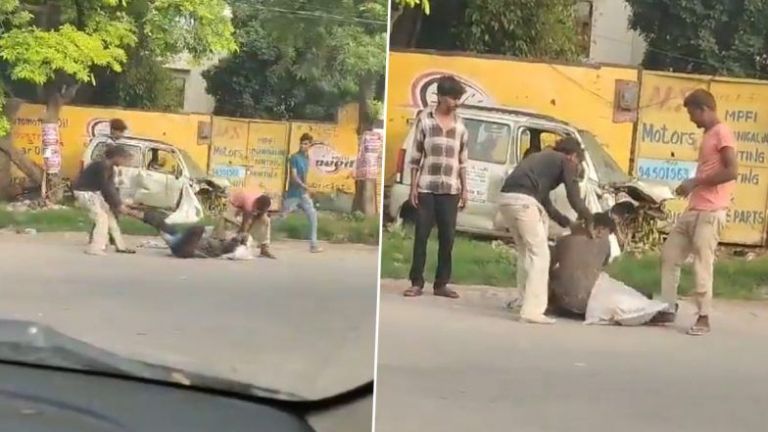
(251, 207)
(698, 229)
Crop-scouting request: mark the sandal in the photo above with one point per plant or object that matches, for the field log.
(698, 330)
(446, 292)
(126, 251)
(413, 292)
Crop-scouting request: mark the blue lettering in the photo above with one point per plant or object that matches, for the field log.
(664, 173)
(749, 177)
(746, 217)
(752, 156)
(741, 116)
(663, 135)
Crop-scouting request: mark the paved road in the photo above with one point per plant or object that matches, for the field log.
(467, 366)
(304, 323)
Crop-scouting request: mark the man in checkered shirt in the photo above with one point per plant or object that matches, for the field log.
(438, 184)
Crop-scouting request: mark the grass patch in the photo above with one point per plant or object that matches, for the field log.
(474, 261)
(477, 262)
(334, 228)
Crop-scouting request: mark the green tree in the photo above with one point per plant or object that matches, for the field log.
(256, 83)
(57, 45)
(400, 6)
(521, 28)
(727, 37)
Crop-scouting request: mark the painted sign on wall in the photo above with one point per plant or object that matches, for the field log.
(668, 144)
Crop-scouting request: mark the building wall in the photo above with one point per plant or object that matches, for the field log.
(196, 97)
(611, 39)
(249, 152)
(582, 96)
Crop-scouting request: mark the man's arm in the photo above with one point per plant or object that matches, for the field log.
(561, 219)
(417, 154)
(573, 192)
(463, 157)
(247, 222)
(109, 191)
(728, 172)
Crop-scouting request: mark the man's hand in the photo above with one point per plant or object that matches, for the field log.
(463, 200)
(686, 187)
(414, 197)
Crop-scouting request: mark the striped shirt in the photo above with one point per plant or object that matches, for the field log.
(439, 154)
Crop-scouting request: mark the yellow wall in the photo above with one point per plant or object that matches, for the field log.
(179, 130)
(333, 160)
(582, 96)
(667, 143)
(251, 152)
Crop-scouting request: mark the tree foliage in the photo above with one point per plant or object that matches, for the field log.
(301, 59)
(521, 28)
(727, 37)
(58, 45)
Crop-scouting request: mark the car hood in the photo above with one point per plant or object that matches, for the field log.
(33, 343)
(611, 175)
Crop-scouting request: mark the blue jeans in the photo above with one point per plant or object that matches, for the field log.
(308, 207)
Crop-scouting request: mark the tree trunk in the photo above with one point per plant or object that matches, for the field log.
(16, 156)
(365, 189)
(57, 94)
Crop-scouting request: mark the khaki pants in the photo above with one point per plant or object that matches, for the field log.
(529, 224)
(105, 220)
(260, 230)
(697, 233)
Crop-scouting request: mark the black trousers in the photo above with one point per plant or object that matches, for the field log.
(441, 209)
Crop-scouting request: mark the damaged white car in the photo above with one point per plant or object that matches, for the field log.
(161, 176)
(498, 138)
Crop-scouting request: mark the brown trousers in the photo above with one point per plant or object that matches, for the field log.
(696, 233)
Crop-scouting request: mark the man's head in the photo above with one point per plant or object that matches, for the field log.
(603, 224)
(117, 128)
(702, 108)
(449, 93)
(262, 204)
(571, 148)
(118, 155)
(305, 141)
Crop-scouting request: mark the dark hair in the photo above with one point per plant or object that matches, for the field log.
(117, 151)
(262, 203)
(700, 99)
(118, 125)
(604, 220)
(449, 86)
(569, 146)
(306, 136)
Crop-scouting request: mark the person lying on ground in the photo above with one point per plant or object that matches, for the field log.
(193, 242)
(248, 209)
(576, 263)
(95, 191)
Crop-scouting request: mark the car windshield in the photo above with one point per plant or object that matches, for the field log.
(195, 171)
(608, 170)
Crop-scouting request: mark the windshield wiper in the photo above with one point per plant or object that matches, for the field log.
(31, 343)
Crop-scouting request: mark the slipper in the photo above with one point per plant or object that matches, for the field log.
(413, 292)
(698, 330)
(446, 292)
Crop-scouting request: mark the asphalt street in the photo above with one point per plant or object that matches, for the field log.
(468, 365)
(304, 323)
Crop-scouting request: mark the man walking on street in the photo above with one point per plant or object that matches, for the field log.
(297, 195)
(526, 208)
(438, 184)
(698, 229)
